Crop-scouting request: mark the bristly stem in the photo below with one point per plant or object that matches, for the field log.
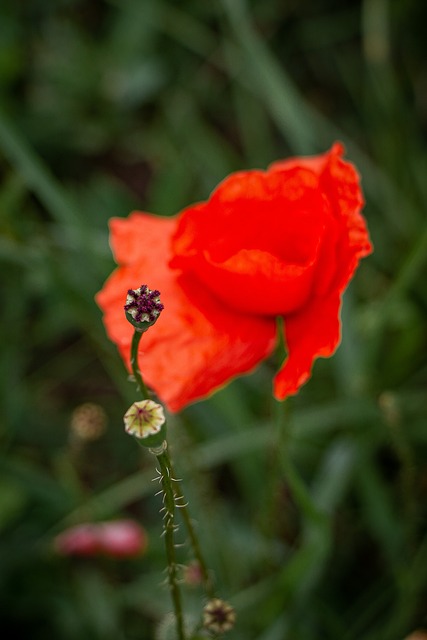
(168, 498)
(169, 530)
(173, 498)
(182, 505)
(135, 366)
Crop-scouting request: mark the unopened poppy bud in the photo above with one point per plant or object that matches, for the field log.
(143, 307)
(146, 421)
(218, 616)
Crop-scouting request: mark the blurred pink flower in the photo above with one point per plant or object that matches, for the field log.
(116, 539)
(122, 538)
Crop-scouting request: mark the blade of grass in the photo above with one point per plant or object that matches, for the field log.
(37, 176)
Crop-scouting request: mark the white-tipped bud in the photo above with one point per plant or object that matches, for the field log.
(218, 616)
(146, 420)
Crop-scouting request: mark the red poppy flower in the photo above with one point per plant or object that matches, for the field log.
(282, 242)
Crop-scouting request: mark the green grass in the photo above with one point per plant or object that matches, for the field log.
(316, 530)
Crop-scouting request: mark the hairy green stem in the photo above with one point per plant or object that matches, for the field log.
(169, 530)
(173, 498)
(135, 366)
(168, 498)
(182, 505)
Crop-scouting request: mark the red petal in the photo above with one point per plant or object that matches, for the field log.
(196, 345)
(314, 163)
(255, 242)
(341, 183)
(313, 332)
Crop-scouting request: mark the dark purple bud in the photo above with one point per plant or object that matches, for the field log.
(143, 307)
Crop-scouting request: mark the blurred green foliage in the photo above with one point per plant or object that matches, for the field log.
(316, 530)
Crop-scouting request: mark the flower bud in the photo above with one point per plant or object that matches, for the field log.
(115, 539)
(143, 307)
(146, 421)
(122, 538)
(218, 616)
(81, 540)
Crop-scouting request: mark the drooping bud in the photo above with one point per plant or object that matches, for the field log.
(218, 616)
(146, 421)
(143, 307)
